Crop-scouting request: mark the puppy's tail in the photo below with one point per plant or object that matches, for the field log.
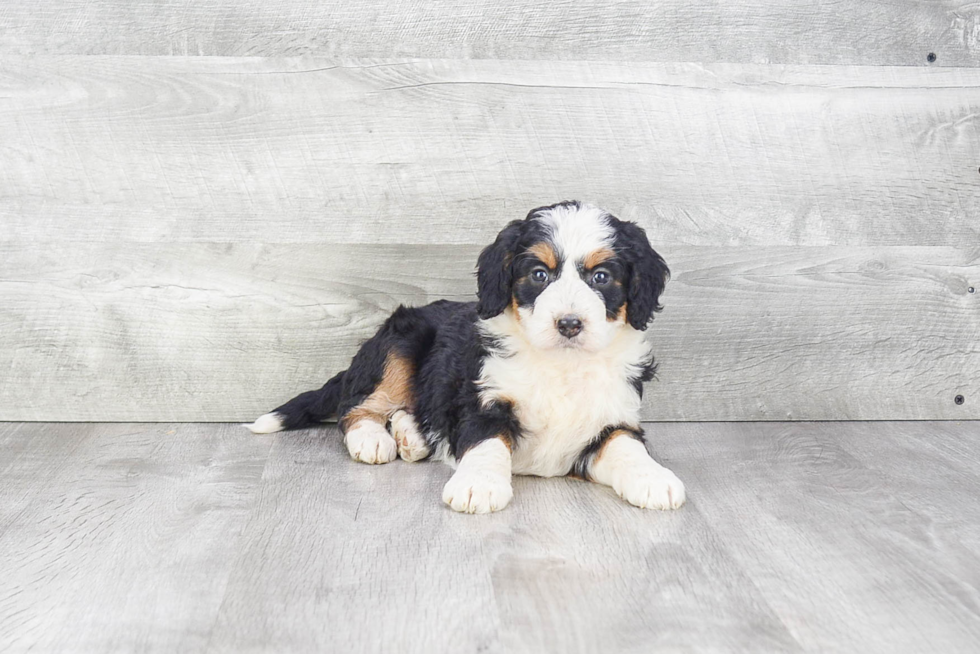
(305, 409)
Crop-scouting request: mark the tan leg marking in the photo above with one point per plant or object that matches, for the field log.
(393, 392)
(364, 426)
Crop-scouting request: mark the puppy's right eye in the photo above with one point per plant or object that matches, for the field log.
(539, 275)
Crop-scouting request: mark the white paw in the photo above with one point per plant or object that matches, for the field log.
(266, 424)
(653, 487)
(477, 491)
(370, 442)
(411, 443)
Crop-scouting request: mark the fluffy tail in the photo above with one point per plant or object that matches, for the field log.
(305, 409)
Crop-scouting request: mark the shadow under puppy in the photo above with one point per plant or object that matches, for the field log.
(542, 376)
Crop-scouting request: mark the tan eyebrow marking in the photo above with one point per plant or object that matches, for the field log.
(596, 257)
(545, 253)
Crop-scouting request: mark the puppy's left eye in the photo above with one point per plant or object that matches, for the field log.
(600, 278)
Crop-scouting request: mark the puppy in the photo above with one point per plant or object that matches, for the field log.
(542, 376)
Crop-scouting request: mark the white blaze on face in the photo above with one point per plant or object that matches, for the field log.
(575, 233)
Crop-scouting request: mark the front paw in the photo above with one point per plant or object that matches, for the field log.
(477, 491)
(651, 488)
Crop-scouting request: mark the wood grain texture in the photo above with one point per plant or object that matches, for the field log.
(31, 461)
(439, 151)
(127, 545)
(228, 331)
(797, 537)
(189, 330)
(891, 525)
(899, 32)
(381, 561)
(398, 569)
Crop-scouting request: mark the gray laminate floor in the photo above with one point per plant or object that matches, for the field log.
(828, 537)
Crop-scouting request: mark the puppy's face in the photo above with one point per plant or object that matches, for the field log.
(571, 276)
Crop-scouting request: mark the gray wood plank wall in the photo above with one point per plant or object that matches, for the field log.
(200, 237)
(898, 32)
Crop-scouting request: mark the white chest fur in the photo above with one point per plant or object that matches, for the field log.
(563, 398)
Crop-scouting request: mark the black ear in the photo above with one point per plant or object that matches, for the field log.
(647, 276)
(494, 274)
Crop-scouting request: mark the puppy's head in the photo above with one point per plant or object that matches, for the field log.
(571, 275)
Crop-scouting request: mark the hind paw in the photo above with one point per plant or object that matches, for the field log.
(369, 442)
(411, 443)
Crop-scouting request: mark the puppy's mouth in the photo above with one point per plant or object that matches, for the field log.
(570, 344)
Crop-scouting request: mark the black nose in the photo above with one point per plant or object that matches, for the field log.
(569, 326)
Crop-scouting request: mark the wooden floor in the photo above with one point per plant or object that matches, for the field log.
(815, 537)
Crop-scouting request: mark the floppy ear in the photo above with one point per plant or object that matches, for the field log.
(648, 275)
(494, 274)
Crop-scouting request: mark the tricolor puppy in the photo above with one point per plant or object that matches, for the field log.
(542, 376)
